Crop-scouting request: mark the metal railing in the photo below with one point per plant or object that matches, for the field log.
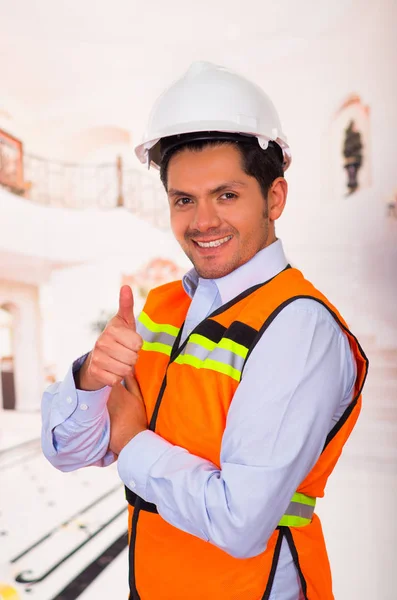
(81, 186)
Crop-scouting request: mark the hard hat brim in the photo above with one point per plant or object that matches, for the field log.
(149, 152)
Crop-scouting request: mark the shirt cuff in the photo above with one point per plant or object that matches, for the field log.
(137, 459)
(66, 400)
(91, 404)
(88, 404)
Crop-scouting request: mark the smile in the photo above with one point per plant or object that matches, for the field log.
(214, 243)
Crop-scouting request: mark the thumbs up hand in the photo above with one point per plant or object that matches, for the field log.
(116, 350)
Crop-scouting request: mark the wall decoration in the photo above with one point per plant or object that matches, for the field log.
(353, 154)
(350, 146)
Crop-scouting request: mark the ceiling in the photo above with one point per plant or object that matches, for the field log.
(103, 63)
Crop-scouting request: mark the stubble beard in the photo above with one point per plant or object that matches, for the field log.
(237, 260)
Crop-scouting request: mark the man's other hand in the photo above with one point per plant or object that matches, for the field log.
(127, 414)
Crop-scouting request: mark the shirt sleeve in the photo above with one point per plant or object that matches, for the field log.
(300, 375)
(75, 424)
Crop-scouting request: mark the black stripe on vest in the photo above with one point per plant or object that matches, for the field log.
(212, 330)
(241, 334)
(237, 332)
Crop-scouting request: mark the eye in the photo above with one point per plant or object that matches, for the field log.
(183, 201)
(229, 196)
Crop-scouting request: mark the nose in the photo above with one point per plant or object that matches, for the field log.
(205, 216)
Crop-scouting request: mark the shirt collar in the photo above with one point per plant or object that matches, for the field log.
(266, 263)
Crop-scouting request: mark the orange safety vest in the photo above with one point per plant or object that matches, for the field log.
(187, 391)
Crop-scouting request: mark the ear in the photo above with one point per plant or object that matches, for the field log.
(277, 198)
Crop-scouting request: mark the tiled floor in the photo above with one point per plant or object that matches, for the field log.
(54, 525)
(83, 513)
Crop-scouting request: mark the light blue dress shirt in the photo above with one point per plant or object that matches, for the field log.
(297, 383)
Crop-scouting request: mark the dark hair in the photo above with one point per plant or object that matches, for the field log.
(264, 165)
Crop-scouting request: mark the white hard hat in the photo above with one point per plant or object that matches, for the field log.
(210, 98)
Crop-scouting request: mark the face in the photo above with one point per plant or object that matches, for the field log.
(218, 213)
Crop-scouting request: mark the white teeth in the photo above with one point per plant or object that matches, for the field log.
(215, 243)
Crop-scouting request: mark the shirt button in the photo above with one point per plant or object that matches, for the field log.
(131, 484)
(83, 407)
(69, 400)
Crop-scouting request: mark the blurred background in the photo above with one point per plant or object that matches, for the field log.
(79, 216)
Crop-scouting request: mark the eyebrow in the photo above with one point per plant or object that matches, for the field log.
(220, 188)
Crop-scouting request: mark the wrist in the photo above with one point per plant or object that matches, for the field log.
(82, 379)
(123, 441)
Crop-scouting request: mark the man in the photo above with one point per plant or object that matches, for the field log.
(242, 382)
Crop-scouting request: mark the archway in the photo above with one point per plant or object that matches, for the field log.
(7, 366)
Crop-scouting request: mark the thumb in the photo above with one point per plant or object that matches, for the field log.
(126, 306)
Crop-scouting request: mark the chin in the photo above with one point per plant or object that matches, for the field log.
(214, 271)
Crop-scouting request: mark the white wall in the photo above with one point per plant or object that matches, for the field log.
(346, 245)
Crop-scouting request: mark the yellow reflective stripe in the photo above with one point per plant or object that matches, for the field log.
(157, 347)
(290, 521)
(196, 338)
(234, 347)
(188, 359)
(222, 368)
(157, 327)
(213, 365)
(299, 512)
(303, 499)
(225, 344)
